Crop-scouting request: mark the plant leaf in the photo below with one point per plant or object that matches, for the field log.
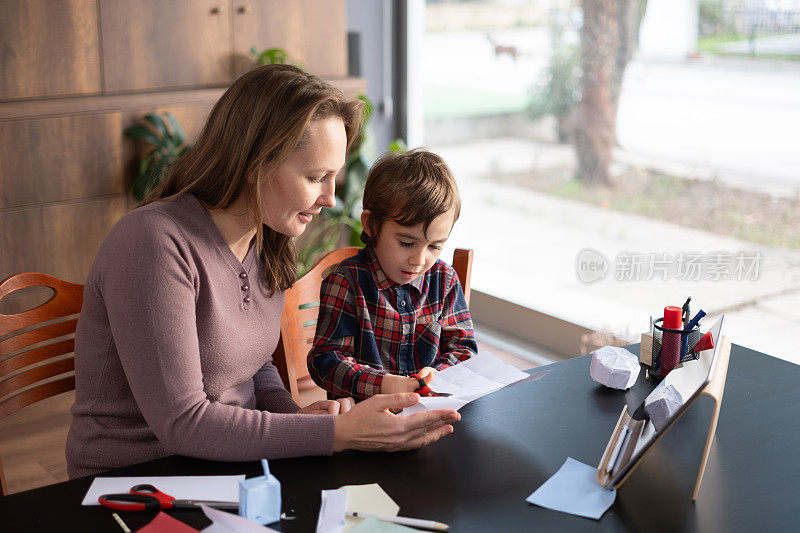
(178, 135)
(142, 132)
(158, 123)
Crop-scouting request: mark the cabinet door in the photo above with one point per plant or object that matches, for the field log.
(48, 48)
(312, 31)
(55, 159)
(57, 239)
(151, 44)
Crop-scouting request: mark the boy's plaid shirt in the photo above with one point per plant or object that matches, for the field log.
(369, 325)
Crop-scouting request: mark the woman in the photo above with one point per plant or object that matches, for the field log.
(182, 306)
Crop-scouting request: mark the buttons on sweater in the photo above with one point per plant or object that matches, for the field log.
(247, 299)
(243, 274)
(245, 288)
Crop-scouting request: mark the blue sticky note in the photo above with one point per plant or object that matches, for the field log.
(574, 489)
(260, 497)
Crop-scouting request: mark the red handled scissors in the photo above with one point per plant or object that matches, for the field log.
(148, 498)
(424, 390)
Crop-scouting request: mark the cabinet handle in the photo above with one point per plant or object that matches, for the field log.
(216, 10)
(243, 10)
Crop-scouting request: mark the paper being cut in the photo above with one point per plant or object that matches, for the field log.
(477, 376)
(662, 404)
(614, 367)
(574, 489)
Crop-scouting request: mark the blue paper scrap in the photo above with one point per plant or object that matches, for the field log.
(574, 489)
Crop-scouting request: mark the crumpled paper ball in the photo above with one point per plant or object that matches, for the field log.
(614, 367)
(662, 404)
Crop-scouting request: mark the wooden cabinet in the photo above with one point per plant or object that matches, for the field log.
(151, 44)
(309, 30)
(48, 48)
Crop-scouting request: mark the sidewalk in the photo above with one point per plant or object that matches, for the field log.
(527, 245)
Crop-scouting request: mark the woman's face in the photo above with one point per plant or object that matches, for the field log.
(303, 184)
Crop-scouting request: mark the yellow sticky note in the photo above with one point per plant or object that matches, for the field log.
(367, 499)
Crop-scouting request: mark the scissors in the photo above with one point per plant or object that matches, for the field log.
(424, 390)
(148, 498)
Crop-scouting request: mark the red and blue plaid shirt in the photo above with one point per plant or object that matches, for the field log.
(369, 325)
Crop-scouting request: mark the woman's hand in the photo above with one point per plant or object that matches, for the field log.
(328, 407)
(371, 426)
(393, 384)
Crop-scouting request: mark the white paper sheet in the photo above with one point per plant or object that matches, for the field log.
(477, 376)
(332, 511)
(217, 488)
(574, 489)
(224, 522)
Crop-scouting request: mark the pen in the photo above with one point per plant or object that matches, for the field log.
(617, 447)
(684, 335)
(696, 320)
(413, 522)
(686, 312)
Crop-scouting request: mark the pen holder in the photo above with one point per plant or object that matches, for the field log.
(687, 340)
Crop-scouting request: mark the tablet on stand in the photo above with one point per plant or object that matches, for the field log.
(635, 435)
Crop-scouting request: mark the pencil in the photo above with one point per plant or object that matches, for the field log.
(122, 524)
(413, 522)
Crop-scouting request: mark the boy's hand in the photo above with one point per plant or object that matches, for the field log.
(328, 407)
(392, 383)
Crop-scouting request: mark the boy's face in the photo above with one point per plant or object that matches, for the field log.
(407, 252)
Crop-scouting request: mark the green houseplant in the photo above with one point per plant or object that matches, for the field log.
(168, 145)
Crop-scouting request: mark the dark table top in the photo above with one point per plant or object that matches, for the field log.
(508, 443)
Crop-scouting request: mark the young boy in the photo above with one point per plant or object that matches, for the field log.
(395, 309)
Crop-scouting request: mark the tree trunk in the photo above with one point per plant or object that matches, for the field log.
(594, 136)
(629, 17)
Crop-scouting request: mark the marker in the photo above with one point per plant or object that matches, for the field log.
(617, 447)
(413, 522)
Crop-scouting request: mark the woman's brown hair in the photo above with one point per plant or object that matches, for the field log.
(411, 188)
(259, 121)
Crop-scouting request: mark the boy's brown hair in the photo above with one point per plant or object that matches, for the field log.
(411, 188)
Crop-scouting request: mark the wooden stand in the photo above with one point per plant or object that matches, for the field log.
(713, 389)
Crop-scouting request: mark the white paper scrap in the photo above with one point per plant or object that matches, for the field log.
(574, 489)
(224, 522)
(477, 376)
(332, 511)
(217, 488)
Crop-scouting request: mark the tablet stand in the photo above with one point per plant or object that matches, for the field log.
(713, 389)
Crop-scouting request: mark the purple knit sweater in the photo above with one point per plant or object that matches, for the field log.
(173, 351)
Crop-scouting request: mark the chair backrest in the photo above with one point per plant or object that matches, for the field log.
(301, 307)
(37, 345)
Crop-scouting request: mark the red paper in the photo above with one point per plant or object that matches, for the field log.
(164, 523)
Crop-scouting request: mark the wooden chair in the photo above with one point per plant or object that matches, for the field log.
(300, 309)
(36, 346)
